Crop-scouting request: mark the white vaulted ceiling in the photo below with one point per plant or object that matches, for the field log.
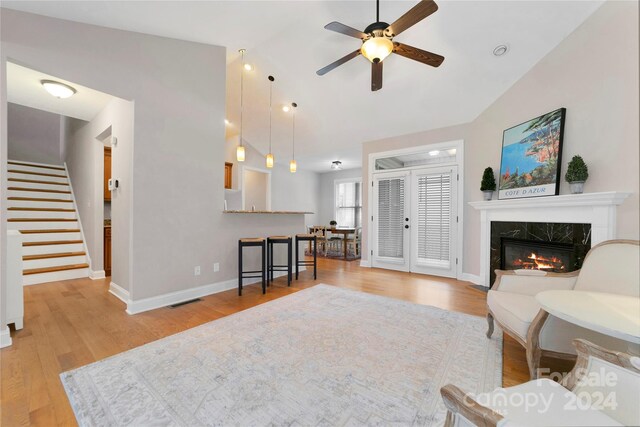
(337, 112)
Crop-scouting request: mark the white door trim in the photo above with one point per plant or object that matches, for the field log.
(459, 146)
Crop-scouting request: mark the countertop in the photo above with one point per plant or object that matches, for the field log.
(269, 212)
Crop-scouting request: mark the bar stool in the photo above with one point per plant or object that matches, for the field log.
(311, 238)
(252, 242)
(271, 267)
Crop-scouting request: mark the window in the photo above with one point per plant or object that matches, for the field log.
(348, 205)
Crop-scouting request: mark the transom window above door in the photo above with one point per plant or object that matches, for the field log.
(425, 158)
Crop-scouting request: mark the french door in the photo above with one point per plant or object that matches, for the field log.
(391, 220)
(415, 216)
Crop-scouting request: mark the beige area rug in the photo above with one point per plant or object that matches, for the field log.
(324, 356)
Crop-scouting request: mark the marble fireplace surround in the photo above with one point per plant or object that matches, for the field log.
(597, 209)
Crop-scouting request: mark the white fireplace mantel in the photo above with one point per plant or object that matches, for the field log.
(597, 209)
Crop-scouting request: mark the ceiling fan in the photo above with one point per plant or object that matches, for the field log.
(377, 41)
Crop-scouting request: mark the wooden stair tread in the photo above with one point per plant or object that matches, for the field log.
(36, 199)
(52, 242)
(58, 168)
(41, 220)
(20, 208)
(56, 255)
(35, 181)
(38, 190)
(55, 230)
(36, 173)
(53, 269)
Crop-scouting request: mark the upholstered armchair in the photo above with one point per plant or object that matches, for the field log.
(601, 390)
(612, 267)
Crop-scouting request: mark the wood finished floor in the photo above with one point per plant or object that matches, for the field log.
(75, 322)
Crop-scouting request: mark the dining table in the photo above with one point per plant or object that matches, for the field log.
(345, 231)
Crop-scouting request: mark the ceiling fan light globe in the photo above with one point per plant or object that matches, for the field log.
(376, 49)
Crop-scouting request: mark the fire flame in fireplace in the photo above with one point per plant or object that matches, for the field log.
(537, 262)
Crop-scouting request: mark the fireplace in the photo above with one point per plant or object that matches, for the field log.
(546, 246)
(519, 254)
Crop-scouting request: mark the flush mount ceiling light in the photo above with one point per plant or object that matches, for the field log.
(240, 153)
(248, 67)
(286, 108)
(227, 122)
(57, 89)
(500, 50)
(336, 165)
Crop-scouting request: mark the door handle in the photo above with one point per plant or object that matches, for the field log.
(406, 226)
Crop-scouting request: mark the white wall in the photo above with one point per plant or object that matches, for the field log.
(85, 161)
(177, 181)
(326, 202)
(600, 92)
(33, 135)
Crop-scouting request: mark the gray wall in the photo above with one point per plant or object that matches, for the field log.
(600, 93)
(85, 161)
(33, 135)
(177, 185)
(326, 202)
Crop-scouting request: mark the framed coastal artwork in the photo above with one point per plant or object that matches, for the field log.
(531, 157)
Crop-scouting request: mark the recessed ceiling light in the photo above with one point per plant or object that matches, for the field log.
(227, 122)
(57, 89)
(434, 152)
(286, 108)
(500, 50)
(248, 67)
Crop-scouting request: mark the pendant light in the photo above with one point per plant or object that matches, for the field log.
(293, 166)
(240, 153)
(270, 155)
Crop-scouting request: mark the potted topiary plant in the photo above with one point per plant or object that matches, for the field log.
(333, 223)
(488, 184)
(577, 174)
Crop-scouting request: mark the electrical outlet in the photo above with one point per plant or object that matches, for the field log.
(216, 267)
(196, 271)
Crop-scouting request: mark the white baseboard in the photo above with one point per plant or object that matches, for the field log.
(119, 292)
(95, 275)
(365, 263)
(473, 278)
(146, 304)
(5, 337)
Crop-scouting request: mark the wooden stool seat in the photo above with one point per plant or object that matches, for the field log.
(252, 240)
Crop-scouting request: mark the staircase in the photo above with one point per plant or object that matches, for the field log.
(41, 207)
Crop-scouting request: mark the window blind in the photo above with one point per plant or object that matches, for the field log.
(391, 217)
(349, 204)
(434, 219)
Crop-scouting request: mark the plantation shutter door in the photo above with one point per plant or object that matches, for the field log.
(391, 214)
(434, 219)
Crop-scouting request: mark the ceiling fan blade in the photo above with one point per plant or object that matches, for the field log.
(376, 76)
(325, 70)
(416, 14)
(416, 54)
(345, 29)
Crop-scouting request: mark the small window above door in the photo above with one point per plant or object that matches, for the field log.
(425, 158)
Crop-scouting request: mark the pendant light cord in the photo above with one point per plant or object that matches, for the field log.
(241, 91)
(293, 151)
(271, 79)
